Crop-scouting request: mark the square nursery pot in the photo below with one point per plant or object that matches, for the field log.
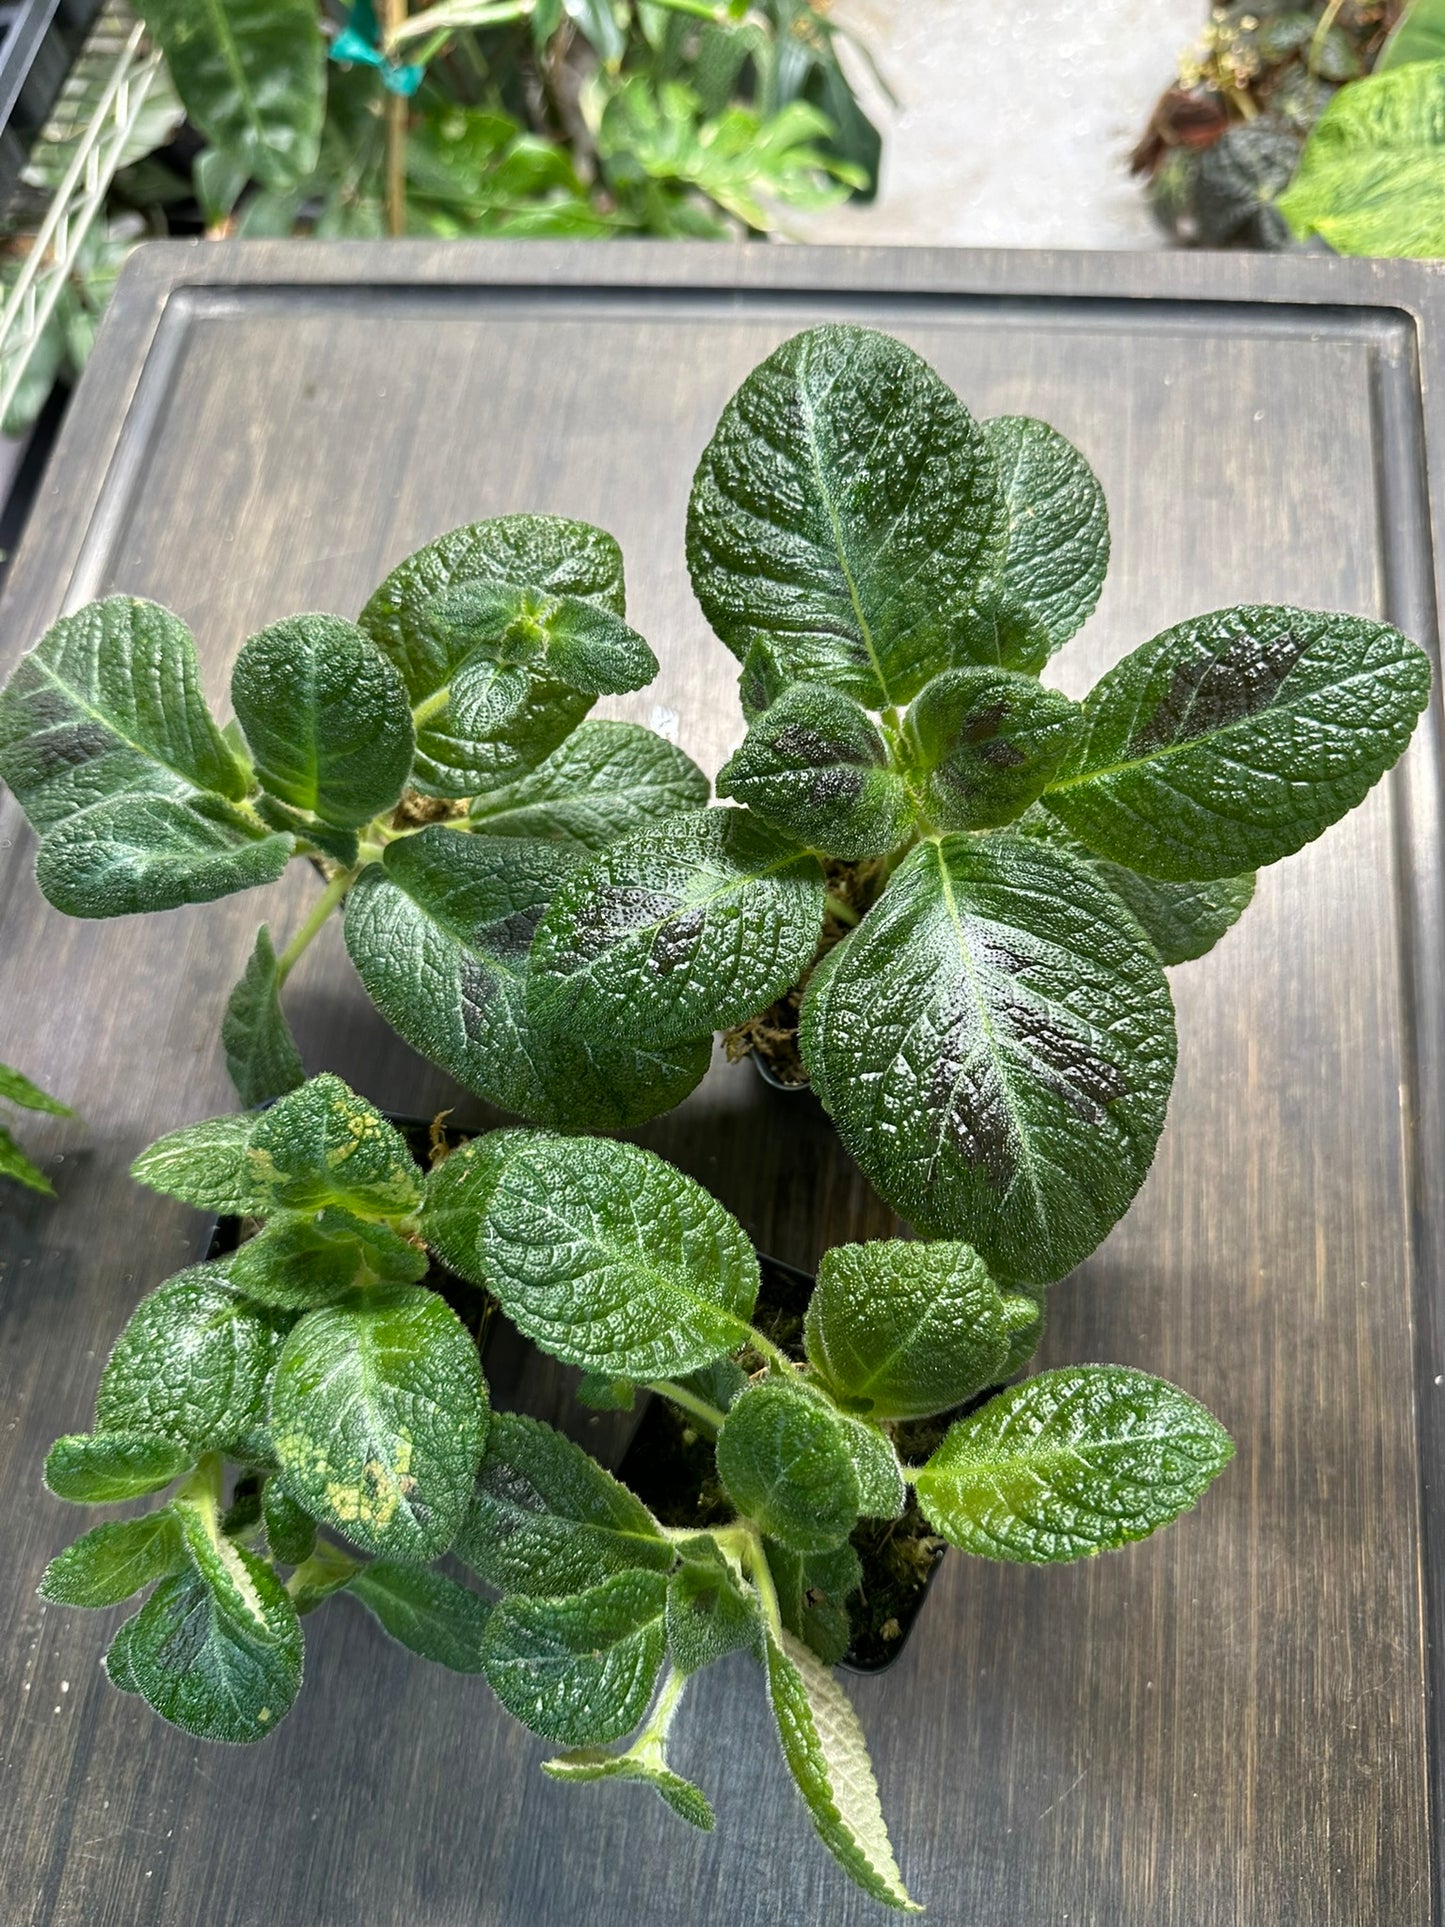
(1235, 1723)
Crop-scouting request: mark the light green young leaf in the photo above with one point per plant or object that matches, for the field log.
(132, 854)
(107, 1565)
(783, 1457)
(677, 931)
(261, 1053)
(845, 512)
(1233, 740)
(1057, 550)
(325, 1570)
(208, 1165)
(327, 718)
(708, 1613)
(607, 780)
(193, 1364)
(426, 1612)
(906, 1329)
(996, 1047)
(15, 1164)
(16, 1089)
(984, 743)
(290, 1530)
(579, 1670)
(565, 637)
(252, 75)
(440, 936)
(102, 1467)
(813, 1590)
(827, 1755)
(301, 1260)
(1371, 179)
(322, 1144)
(379, 1414)
(687, 1801)
(881, 1491)
(814, 764)
(1070, 1463)
(109, 703)
(599, 1252)
(546, 1517)
(1419, 34)
(481, 725)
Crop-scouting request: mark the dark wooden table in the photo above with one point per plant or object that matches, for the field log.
(1229, 1727)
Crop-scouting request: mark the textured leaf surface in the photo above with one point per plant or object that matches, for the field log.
(827, 1755)
(580, 1670)
(687, 1801)
(101, 1467)
(327, 718)
(379, 1415)
(984, 743)
(193, 1364)
(135, 853)
(815, 765)
(573, 641)
(547, 1519)
(441, 938)
(1234, 739)
(208, 1165)
(906, 1329)
(1371, 179)
(290, 1530)
(996, 1045)
(677, 931)
(107, 1565)
(1071, 1462)
(109, 702)
(261, 1053)
(844, 512)
(786, 1465)
(426, 1612)
(598, 1251)
(708, 1613)
(492, 727)
(18, 1089)
(324, 1145)
(1058, 527)
(301, 1260)
(813, 1590)
(607, 780)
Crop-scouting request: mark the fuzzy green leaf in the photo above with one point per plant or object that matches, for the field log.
(109, 703)
(708, 1613)
(984, 743)
(546, 1518)
(996, 1045)
(1233, 740)
(813, 1590)
(677, 931)
(426, 1612)
(827, 1756)
(440, 936)
(1371, 179)
(844, 512)
(290, 1530)
(15, 1164)
(379, 1414)
(1058, 529)
(607, 780)
(193, 1364)
(815, 765)
(322, 1144)
(107, 1565)
(103, 1467)
(208, 1165)
(579, 1670)
(325, 1570)
(786, 1465)
(881, 1491)
(482, 724)
(905, 1330)
(327, 718)
(17, 1089)
(342, 846)
(302, 1260)
(261, 1053)
(132, 854)
(687, 1801)
(1070, 1463)
(572, 641)
(599, 1252)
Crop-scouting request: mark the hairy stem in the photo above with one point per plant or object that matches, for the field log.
(394, 19)
(320, 911)
(840, 911)
(689, 1402)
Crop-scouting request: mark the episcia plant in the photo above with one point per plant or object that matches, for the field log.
(313, 1407)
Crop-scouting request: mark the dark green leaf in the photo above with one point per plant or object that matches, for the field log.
(996, 1045)
(379, 1414)
(606, 780)
(16, 1089)
(325, 1570)
(565, 637)
(327, 718)
(601, 1392)
(599, 1252)
(440, 936)
(813, 1590)
(984, 743)
(100, 1468)
(290, 1531)
(845, 512)
(907, 1330)
(1236, 738)
(427, 1612)
(1071, 1462)
(579, 1670)
(547, 1519)
(208, 1165)
(708, 1613)
(342, 846)
(115, 1560)
(261, 1053)
(677, 931)
(118, 1669)
(762, 681)
(322, 1144)
(786, 1465)
(1058, 528)
(302, 1260)
(135, 853)
(815, 765)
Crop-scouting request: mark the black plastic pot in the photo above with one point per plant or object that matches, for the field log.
(39, 40)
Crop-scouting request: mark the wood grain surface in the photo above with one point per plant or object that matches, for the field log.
(1227, 1727)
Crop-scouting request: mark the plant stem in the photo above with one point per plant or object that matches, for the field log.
(695, 1407)
(1321, 34)
(774, 1354)
(394, 20)
(840, 911)
(761, 1575)
(320, 911)
(432, 706)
